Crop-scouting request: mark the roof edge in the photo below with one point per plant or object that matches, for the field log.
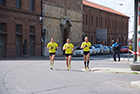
(119, 13)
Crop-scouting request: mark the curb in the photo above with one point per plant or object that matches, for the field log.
(135, 84)
(115, 70)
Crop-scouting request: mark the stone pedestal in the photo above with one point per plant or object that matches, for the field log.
(135, 66)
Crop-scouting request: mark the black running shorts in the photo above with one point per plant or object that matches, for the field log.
(50, 54)
(67, 55)
(85, 53)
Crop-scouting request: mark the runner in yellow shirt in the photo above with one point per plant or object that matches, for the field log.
(69, 48)
(52, 50)
(131, 49)
(86, 52)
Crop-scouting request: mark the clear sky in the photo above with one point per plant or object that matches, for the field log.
(127, 8)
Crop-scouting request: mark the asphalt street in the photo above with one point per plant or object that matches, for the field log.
(33, 76)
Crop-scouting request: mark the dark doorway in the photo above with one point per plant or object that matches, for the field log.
(109, 41)
(1, 45)
(83, 37)
(66, 35)
(18, 45)
(32, 45)
(66, 32)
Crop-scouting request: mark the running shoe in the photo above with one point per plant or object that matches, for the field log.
(67, 69)
(69, 66)
(51, 67)
(87, 68)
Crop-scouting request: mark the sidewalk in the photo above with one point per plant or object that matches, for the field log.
(119, 71)
(115, 70)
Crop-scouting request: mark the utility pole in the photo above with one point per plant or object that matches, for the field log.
(43, 32)
(135, 66)
(135, 28)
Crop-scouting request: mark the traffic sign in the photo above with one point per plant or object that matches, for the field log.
(101, 34)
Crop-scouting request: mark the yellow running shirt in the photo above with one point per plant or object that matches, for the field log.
(130, 48)
(69, 49)
(53, 45)
(86, 49)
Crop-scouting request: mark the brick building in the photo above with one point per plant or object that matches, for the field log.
(100, 17)
(19, 22)
(62, 20)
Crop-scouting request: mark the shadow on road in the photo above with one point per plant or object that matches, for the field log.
(69, 70)
(93, 57)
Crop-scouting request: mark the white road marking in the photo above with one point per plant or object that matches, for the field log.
(19, 89)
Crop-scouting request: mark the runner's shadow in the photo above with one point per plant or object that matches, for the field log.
(71, 70)
(96, 70)
(99, 70)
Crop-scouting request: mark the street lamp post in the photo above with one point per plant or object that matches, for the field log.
(43, 32)
(41, 27)
(115, 19)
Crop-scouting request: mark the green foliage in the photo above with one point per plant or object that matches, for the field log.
(135, 73)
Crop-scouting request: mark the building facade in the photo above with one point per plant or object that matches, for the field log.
(19, 25)
(62, 20)
(99, 17)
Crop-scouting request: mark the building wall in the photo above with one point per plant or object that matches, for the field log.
(116, 25)
(58, 12)
(12, 16)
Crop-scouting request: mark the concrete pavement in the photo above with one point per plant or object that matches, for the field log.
(135, 84)
(34, 73)
(119, 71)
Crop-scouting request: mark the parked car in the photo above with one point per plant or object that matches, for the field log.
(99, 47)
(106, 49)
(110, 49)
(124, 49)
(97, 50)
(78, 51)
(92, 50)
